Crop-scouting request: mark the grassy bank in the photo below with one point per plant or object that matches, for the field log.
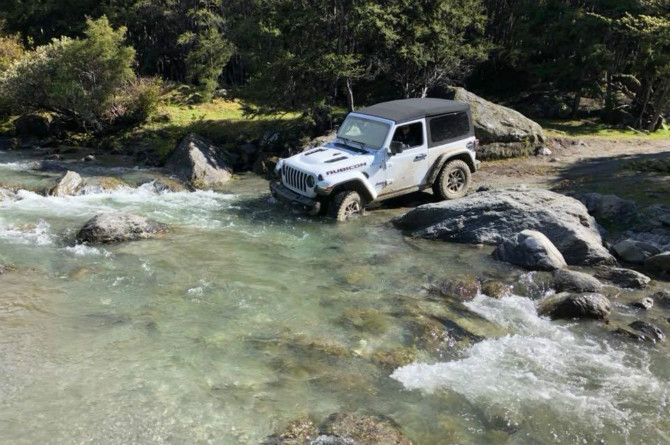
(591, 128)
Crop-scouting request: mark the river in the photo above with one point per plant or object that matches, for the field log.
(246, 316)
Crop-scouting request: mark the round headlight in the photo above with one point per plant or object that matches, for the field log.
(311, 181)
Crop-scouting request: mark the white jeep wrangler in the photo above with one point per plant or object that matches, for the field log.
(380, 152)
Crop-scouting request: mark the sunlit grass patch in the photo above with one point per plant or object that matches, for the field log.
(587, 128)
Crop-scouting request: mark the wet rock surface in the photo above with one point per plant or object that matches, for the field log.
(635, 252)
(496, 289)
(68, 185)
(642, 331)
(364, 430)
(625, 278)
(115, 227)
(532, 250)
(462, 288)
(610, 209)
(568, 306)
(491, 217)
(572, 281)
(644, 304)
(198, 162)
(6, 267)
(660, 262)
(662, 298)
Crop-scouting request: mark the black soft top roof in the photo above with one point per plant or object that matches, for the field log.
(411, 109)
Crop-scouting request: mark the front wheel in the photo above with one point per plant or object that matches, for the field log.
(345, 206)
(454, 180)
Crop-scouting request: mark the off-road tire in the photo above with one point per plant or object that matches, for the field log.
(453, 181)
(345, 205)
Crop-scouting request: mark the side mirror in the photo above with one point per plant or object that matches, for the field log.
(397, 147)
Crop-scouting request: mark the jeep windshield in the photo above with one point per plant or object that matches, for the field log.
(359, 131)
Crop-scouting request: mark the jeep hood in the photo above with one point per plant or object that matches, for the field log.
(332, 155)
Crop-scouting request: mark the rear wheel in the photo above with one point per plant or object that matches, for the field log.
(345, 206)
(454, 180)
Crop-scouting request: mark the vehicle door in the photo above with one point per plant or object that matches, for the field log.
(409, 167)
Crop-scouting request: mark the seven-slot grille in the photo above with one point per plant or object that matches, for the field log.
(295, 178)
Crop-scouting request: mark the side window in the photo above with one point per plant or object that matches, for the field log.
(410, 135)
(449, 127)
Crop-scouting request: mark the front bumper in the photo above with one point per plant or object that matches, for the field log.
(290, 197)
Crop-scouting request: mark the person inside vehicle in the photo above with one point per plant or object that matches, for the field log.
(406, 136)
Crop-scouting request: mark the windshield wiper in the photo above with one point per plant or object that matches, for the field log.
(349, 143)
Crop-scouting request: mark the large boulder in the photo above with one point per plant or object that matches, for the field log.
(625, 278)
(69, 184)
(635, 252)
(532, 250)
(490, 217)
(495, 123)
(660, 262)
(572, 281)
(569, 306)
(32, 125)
(115, 227)
(610, 209)
(198, 162)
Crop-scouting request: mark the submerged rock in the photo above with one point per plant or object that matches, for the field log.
(49, 166)
(635, 252)
(496, 289)
(115, 227)
(104, 183)
(642, 331)
(68, 185)
(461, 288)
(532, 250)
(645, 304)
(662, 298)
(299, 432)
(610, 209)
(660, 262)
(6, 267)
(163, 185)
(440, 335)
(394, 358)
(572, 281)
(496, 123)
(568, 306)
(197, 161)
(625, 278)
(6, 194)
(491, 217)
(367, 320)
(364, 430)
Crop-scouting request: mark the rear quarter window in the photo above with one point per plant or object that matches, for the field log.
(448, 128)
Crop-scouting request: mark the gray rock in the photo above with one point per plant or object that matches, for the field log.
(610, 209)
(32, 125)
(662, 298)
(625, 278)
(88, 158)
(569, 306)
(645, 303)
(496, 289)
(532, 250)
(495, 123)
(298, 432)
(115, 227)
(660, 262)
(543, 151)
(642, 331)
(197, 161)
(461, 288)
(364, 430)
(68, 185)
(635, 252)
(491, 217)
(665, 220)
(571, 281)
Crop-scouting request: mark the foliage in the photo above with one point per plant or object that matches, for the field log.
(76, 78)
(11, 49)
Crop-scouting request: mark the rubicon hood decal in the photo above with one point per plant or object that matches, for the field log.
(344, 169)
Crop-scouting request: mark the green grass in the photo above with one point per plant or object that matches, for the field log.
(593, 129)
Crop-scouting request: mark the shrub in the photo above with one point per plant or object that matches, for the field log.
(11, 49)
(137, 101)
(76, 78)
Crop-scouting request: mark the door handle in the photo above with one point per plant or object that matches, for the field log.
(420, 157)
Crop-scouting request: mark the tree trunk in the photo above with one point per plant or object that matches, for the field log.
(575, 104)
(661, 98)
(642, 99)
(350, 95)
(609, 95)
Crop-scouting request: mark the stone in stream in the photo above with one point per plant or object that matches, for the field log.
(635, 252)
(660, 262)
(198, 162)
(532, 250)
(6, 267)
(642, 331)
(625, 278)
(363, 430)
(115, 227)
(644, 304)
(493, 216)
(68, 185)
(571, 281)
(462, 288)
(496, 289)
(568, 306)
(300, 431)
(610, 209)
(392, 359)
(662, 298)
(49, 166)
(6, 194)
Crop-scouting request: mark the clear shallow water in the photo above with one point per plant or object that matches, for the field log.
(248, 316)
